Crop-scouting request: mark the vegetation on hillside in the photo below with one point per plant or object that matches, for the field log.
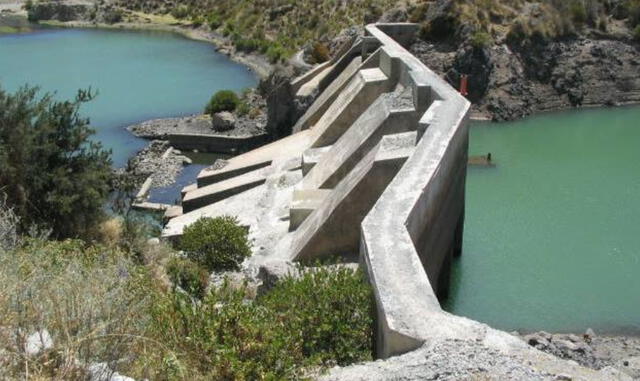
(51, 172)
(66, 307)
(276, 28)
(481, 22)
(70, 308)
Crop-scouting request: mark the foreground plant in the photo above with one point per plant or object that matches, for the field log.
(65, 306)
(321, 317)
(51, 171)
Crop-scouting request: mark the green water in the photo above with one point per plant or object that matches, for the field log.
(552, 234)
(139, 75)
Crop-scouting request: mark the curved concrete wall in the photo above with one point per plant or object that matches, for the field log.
(409, 235)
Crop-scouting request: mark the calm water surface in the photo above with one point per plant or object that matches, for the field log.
(139, 75)
(552, 234)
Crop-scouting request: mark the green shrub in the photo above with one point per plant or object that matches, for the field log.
(243, 109)
(51, 170)
(214, 21)
(180, 12)
(217, 244)
(320, 319)
(636, 33)
(188, 275)
(247, 44)
(223, 100)
(330, 310)
(480, 40)
(275, 53)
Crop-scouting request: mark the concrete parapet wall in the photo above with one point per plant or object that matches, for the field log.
(408, 235)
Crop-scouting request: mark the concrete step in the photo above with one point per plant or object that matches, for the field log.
(289, 147)
(311, 157)
(356, 97)
(333, 227)
(209, 194)
(304, 202)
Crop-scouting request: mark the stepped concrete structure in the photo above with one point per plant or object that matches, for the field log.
(375, 171)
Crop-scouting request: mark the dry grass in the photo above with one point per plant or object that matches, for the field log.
(91, 299)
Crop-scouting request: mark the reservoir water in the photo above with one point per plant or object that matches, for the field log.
(139, 75)
(552, 233)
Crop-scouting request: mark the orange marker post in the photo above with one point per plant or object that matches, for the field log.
(463, 85)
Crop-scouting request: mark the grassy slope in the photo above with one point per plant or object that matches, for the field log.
(276, 27)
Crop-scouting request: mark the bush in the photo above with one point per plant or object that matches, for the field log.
(636, 33)
(481, 40)
(215, 21)
(243, 108)
(223, 100)
(113, 16)
(578, 12)
(330, 310)
(180, 12)
(9, 222)
(322, 318)
(217, 244)
(189, 276)
(320, 53)
(275, 53)
(51, 171)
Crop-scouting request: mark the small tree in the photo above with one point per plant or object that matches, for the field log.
(223, 100)
(217, 244)
(52, 173)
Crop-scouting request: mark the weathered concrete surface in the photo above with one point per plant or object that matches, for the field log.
(334, 227)
(311, 157)
(304, 202)
(209, 194)
(324, 100)
(288, 147)
(356, 97)
(378, 120)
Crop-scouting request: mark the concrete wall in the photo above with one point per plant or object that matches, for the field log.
(409, 236)
(216, 144)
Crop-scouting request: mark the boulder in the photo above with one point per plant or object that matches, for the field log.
(38, 342)
(223, 121)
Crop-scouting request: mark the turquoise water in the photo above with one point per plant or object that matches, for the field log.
(552, 233)
(139, 75)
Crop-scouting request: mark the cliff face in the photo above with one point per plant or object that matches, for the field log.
(506, 83)
(523, 56)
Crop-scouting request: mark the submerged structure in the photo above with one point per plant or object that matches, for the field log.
(375, 171)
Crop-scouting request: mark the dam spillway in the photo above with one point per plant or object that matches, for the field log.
(375, 168)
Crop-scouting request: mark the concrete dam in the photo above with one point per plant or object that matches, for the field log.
(375, 170)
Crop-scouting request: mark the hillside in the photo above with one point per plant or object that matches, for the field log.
(276, 28)
(521, 56)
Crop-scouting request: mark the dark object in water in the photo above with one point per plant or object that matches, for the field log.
(481, 161)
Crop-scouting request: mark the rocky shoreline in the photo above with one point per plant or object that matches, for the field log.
(591, 350)
(158, 161)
